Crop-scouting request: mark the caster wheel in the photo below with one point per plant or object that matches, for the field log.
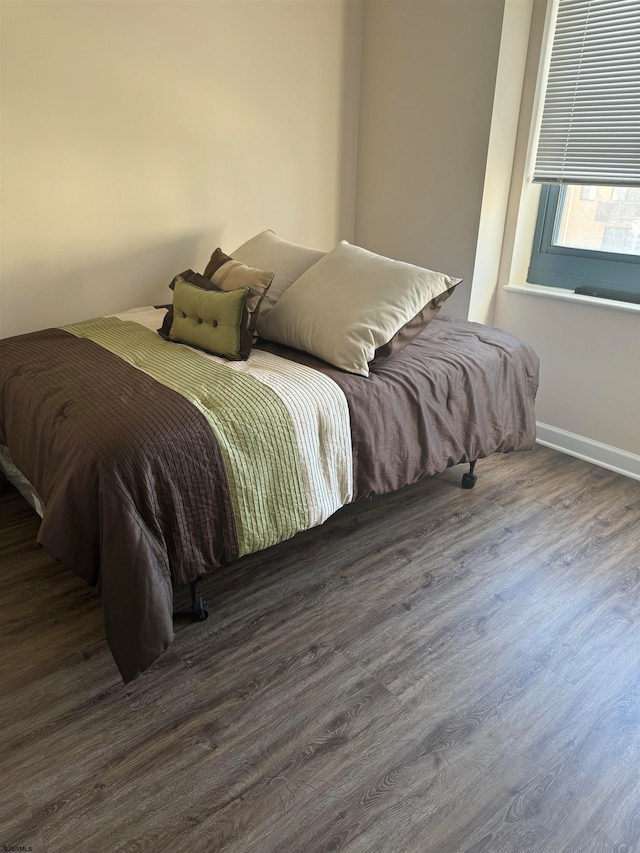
(468, 481)
(200, 611)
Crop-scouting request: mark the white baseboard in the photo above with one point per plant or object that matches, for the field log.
(620, 461)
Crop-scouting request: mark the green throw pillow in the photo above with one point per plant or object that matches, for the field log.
(215, 321)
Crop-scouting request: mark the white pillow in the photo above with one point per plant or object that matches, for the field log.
(287, 260)
(350, 303)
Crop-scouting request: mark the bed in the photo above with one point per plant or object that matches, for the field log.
(156, 463)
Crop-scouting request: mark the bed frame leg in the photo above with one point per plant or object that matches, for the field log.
(198, 604)
(469, 479)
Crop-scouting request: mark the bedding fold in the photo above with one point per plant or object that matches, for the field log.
(157, 464)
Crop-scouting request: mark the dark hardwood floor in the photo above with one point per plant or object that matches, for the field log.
(434, 671)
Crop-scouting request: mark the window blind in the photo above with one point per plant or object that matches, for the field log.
(590, 130)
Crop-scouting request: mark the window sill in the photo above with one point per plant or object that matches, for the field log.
(570, 296)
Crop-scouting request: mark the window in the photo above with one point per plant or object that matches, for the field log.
(591, 246)
(588, 193)
(619, 193)
(588, 159)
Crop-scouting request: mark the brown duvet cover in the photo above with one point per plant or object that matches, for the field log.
(139, 490)
(458, 392)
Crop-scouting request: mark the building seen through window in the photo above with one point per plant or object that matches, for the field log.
(604, 219)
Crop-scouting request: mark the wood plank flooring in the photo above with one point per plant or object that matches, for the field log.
(434, 671)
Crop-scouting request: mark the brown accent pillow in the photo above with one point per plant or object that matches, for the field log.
(229, 274)
(204, 283)
(412, 329)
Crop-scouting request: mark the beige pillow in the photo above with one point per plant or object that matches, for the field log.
(288, 261)
(227, 273)
(351, 303)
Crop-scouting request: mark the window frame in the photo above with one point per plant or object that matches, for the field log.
(610, 275)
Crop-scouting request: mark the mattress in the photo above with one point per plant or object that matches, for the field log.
(17, 479)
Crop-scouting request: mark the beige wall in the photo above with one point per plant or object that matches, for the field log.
(138, 136)
(428, 79)
(589, 352)
(431, 101)
(589, 365)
